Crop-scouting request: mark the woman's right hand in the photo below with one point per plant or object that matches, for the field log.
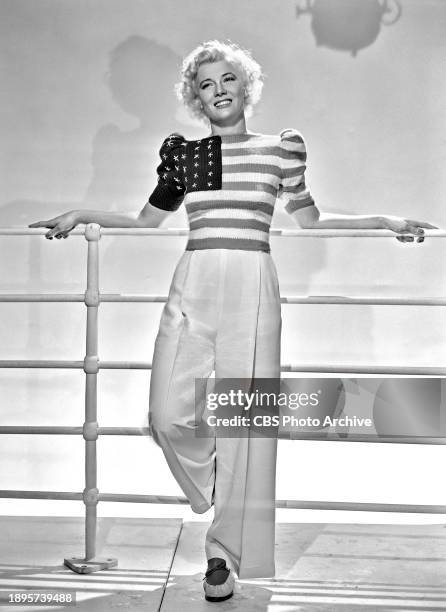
(59, 226)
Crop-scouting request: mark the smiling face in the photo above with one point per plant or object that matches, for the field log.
(220, 88)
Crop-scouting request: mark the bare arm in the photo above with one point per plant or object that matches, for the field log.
(311, 217)
(61, 226)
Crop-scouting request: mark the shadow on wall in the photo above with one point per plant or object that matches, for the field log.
(141, 80)
(348, 25)
(141, 76)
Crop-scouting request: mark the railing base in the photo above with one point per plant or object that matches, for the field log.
(81, 566)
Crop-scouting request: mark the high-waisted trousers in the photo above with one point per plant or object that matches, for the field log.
(222, 315)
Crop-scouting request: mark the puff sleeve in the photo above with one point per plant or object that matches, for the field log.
(170, 190)
(293, 190)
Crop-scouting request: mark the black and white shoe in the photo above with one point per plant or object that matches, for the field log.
(218, 581)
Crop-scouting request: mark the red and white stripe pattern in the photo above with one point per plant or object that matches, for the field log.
(256, 169)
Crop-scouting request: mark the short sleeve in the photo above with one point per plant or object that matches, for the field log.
(170, 190)
(294, 191)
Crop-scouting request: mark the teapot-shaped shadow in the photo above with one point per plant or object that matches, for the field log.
(348, 25)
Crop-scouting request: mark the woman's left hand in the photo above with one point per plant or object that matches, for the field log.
(407, 228)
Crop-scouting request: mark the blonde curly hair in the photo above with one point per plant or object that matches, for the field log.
(215, 51)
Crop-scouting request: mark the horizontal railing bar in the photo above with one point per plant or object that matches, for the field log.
(65, 495)
(42, 297)
(364, 301)
(143, 499)
(304, 233)
(126, 431)
(144, 431)
(321, 437)
(334, 437)
(156, 231)
(41, 363)
(292, 504)
(361, 506)
(57, 430)
(280, 503)
(312, 299)
(35, 231)
(366, 369)
(313, 368)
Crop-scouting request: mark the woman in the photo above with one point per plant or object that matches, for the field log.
(223, 309)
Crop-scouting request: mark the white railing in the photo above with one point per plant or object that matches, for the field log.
(91, 364)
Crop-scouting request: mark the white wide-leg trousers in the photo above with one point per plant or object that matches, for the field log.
(222, 314)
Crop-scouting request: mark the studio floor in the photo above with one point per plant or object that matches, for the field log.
(323, 567)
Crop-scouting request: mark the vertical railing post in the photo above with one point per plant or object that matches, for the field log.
(90, 563)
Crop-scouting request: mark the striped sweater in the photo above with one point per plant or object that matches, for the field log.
(229, 185)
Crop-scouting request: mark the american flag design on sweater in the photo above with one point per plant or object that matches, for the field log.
(230, 184)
